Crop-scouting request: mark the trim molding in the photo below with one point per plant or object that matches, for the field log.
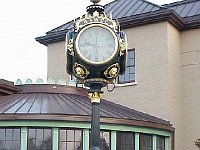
(86, 119)
(84, 125)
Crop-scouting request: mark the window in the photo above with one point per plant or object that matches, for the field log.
(129, 75)
(160, 143)
(125, 141)
(146, 142)
(70, 139)
(9, 139)
(104, 140)
(39, 139)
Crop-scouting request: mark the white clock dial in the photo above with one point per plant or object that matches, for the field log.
(96, 44)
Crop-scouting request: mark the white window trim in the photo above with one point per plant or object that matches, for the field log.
(126, 84)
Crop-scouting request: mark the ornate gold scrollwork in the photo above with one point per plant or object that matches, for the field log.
(70, 47)
(96, 17)
(95, 97)
(112, 71)
(122, 45)
(80, 71)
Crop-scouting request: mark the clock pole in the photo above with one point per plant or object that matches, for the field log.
(95, 94)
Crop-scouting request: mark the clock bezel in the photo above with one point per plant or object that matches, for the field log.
(104, 27)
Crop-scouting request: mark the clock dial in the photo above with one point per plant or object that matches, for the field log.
(96, 44)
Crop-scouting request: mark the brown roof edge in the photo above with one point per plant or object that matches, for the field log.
(52, 88)
(74, 118)
(7, 87)
(153, 17)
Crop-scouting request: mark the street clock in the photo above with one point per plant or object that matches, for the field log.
(96, 48)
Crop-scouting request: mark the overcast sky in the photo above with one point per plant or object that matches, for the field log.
(23, 20)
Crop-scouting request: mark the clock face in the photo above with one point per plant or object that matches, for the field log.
(96, 44)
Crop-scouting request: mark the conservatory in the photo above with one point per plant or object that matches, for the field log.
(57, 117)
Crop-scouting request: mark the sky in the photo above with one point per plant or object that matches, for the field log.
(21, 57)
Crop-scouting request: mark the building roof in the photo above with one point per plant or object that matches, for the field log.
(186, 8)
(56, 102)
(119, 9)
(183, 15)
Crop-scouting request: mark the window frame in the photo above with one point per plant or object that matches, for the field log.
(129, 82)
(101, 131)
(151, 141)
(161, 137)
(125, 132)
(42, 128)
(73, 129)
(5, 128)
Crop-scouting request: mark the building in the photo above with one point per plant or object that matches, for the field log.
(57, 117)
(163, 71)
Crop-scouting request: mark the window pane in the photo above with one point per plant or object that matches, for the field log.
(160, 143)
(129, 75)
(70, 145)
(2, 134)
(146, 142)
(125, 141)
(39, 139)
(9, 134)
(16, 134)
(78, 146)
(16, 145)
(63, 135)
(78, 135)
(70, 135)
(62, 146)
(70, 139)
(9, 139)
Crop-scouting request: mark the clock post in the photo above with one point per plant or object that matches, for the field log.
(96, 53)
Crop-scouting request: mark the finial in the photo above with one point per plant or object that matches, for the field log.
(95, 1)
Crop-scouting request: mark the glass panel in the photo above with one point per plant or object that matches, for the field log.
(132, 77)
(125, 141)
(126, 77)
(31, 133)
(47, 134)
(16, 134)
(131, 62)
(130, 69)
(39, 139)
(9, 134)
(70, 145)
(62, 135)
(2, 134)
(146, 142)
(8, 145)
(39, 134)
(78, 146)
(70, 139)
(106, 136)
(77, 135)
(16, 145)
(160, 143)
(2, 144)
(70, 135)
(62, 146)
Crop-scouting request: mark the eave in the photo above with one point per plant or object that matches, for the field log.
(137, 20)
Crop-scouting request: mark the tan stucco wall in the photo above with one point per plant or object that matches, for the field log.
(56, 62)
(157, 74)
(190, 76)
(174, 80)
